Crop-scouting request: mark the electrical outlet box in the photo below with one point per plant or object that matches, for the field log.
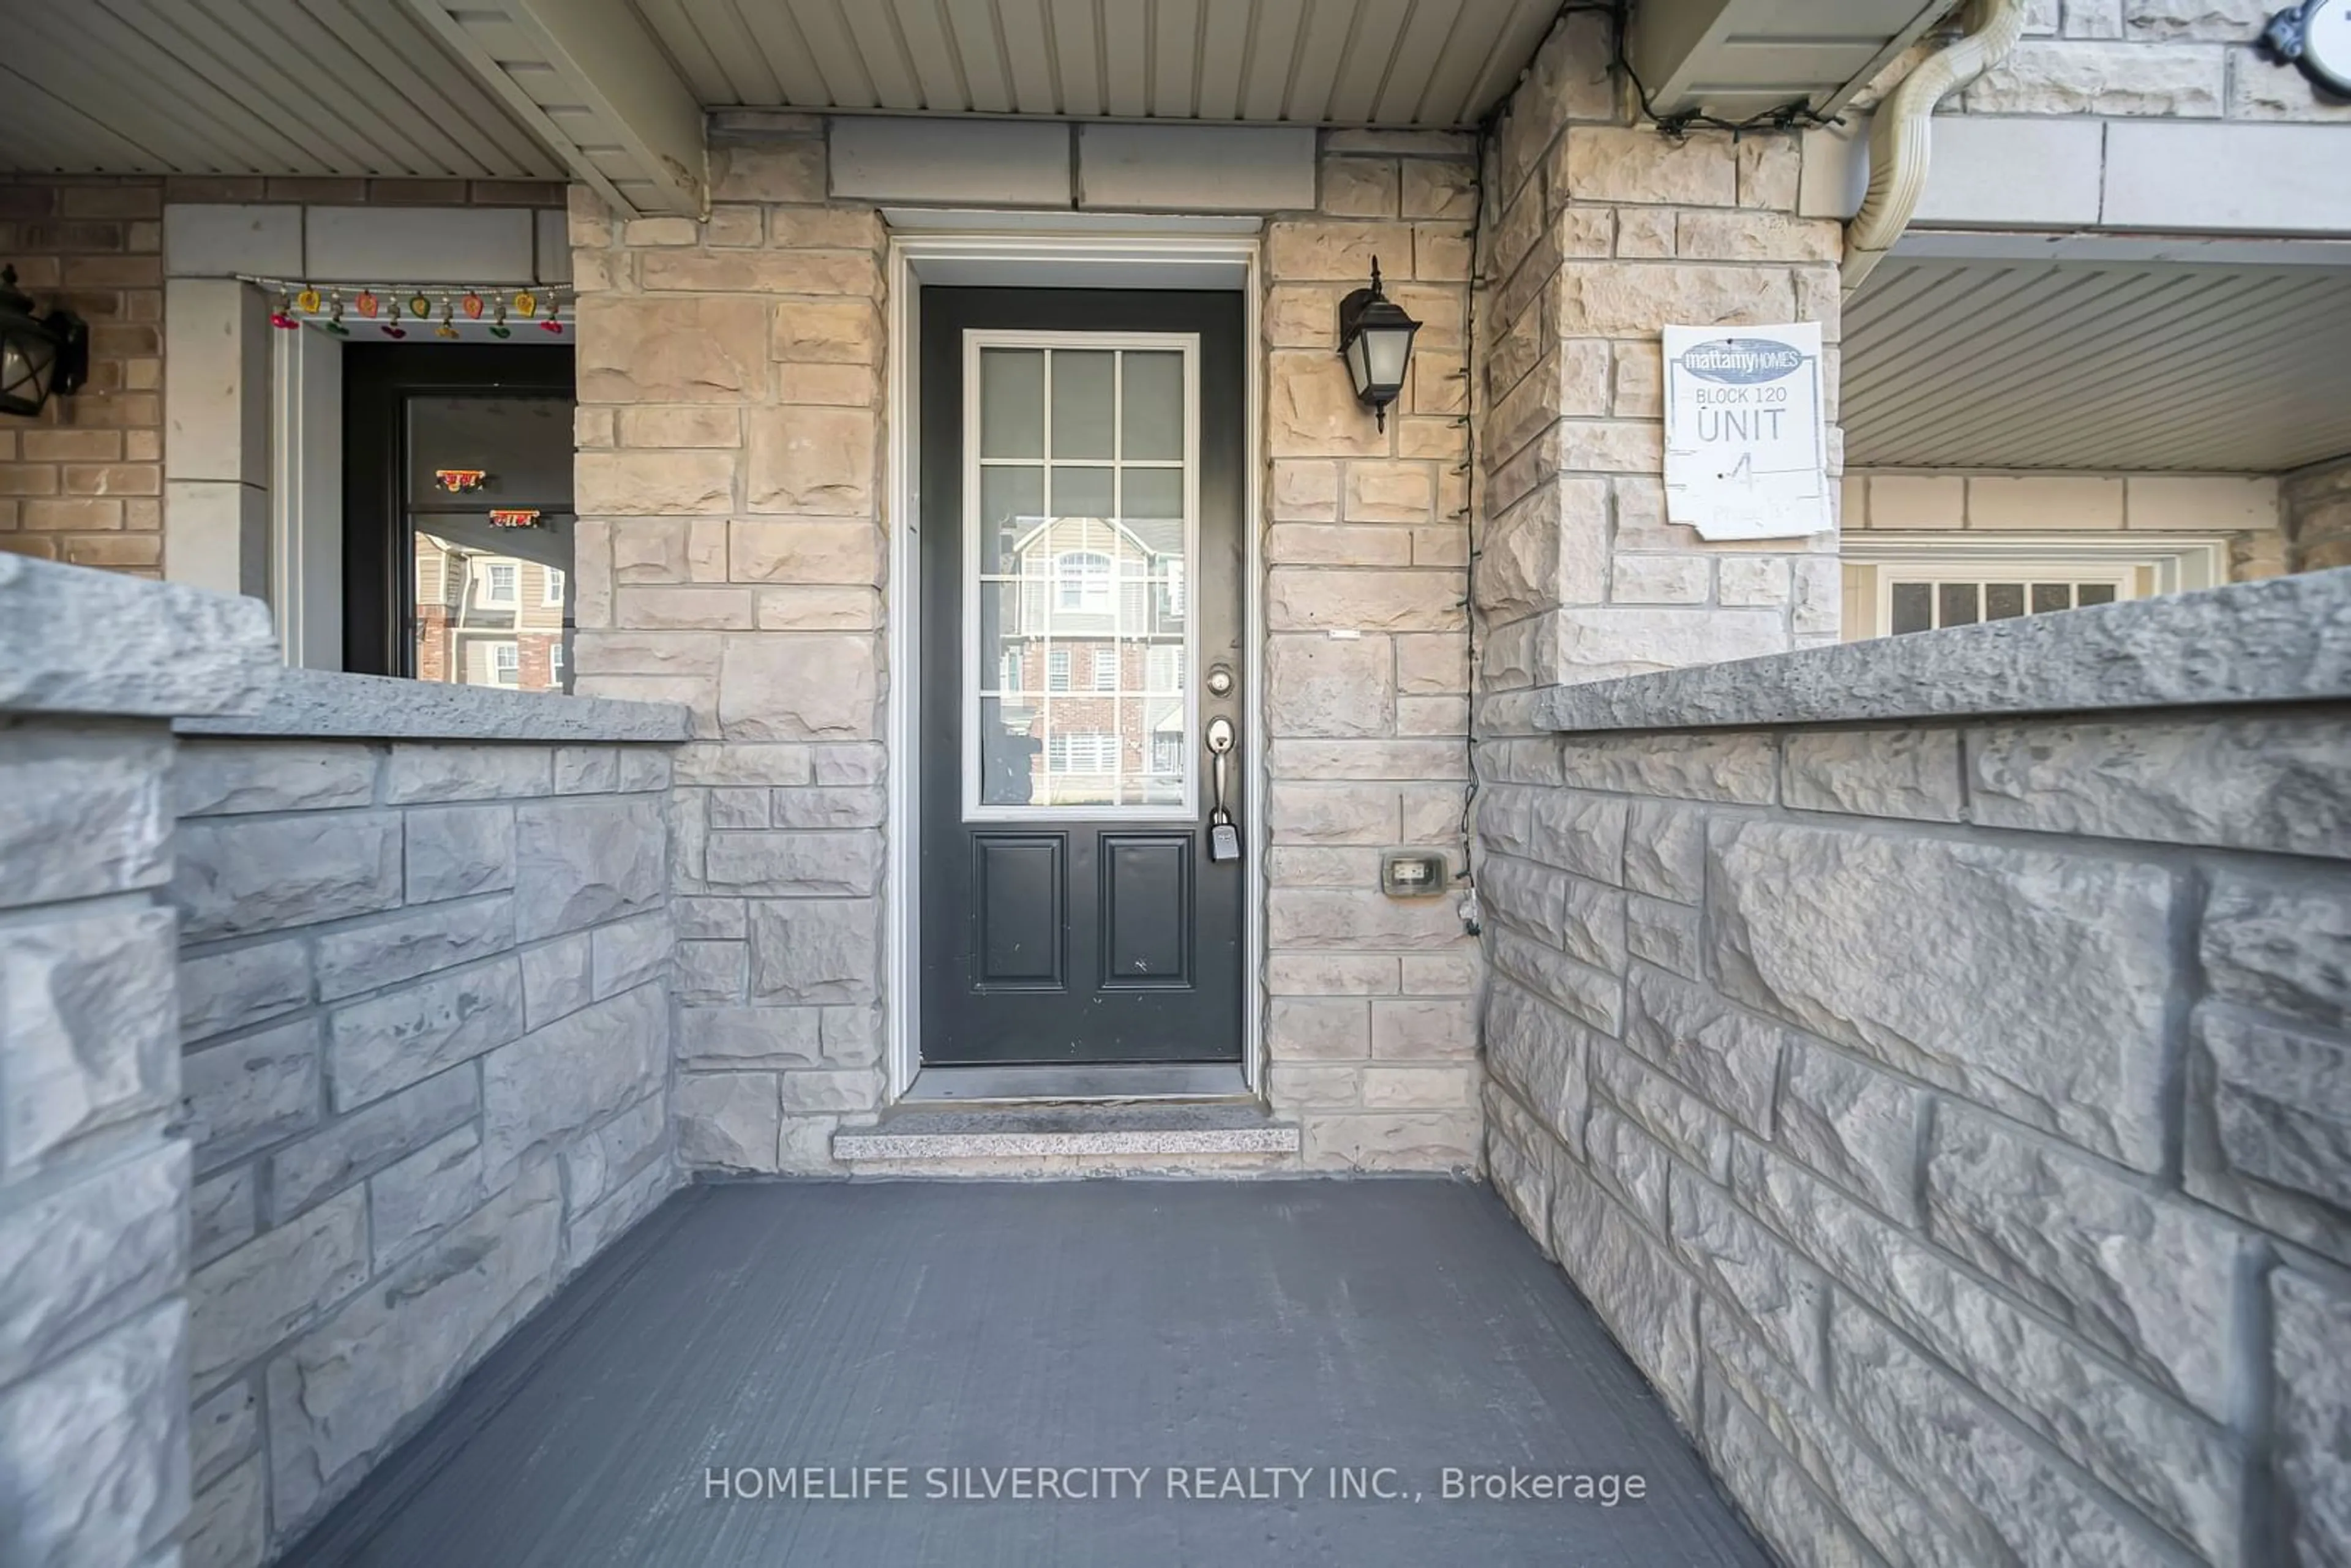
(1412, 873)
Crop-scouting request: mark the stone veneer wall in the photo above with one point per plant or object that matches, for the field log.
(2316, 505)
(1599, 233)
(1372, 1023)
(2191, 59)
(425, 1013)
(732, 555)
(1949, 1115)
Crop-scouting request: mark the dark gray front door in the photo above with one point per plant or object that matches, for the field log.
(1081, 560)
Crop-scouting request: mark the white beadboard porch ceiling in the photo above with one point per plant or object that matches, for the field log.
(1425, 63)
(247, 87)
(2154, 365)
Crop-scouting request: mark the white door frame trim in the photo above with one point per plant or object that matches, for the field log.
(1044, 259)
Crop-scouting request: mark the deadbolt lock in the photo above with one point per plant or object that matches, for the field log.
(1220, 681)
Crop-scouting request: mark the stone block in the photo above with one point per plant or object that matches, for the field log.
(804, 550)
(580, 862)
(222, 1430)
(827, 331)
(1860, 1128)
(603, 1161)
(830, 807)
(815, 950)
(227, 1523)
(556, 978)
(711, 973)
(797, 688)
(421, 942)
(1665, 851)
(1519, 1161)
(552, 1084)
(1330, 974)
(85, 813)
(2172, 1463)
(1689, 1127)
(1731, 1056)
(654, 349)
(1664, 934)
(1301, 918)
(274, 1284)
(94, 1450)
(2250, 783)
(1647, 1302)
(353, 1147)
(653, 483)
(1303, 813)
(339, 1394)
(1929, 1424)
(1579, 832)
(236, 877)
(430, 772)
(88, 1004)
(2313, 1324)
(412, 1200)
(628, 953)
(230, 988)
(1875, 772)
(1390, 1141)
(791, 864)
(408, 1035)
(579, 770)
(1615, 164)
(223, 1211)
(2034, 982)
(643, 768)
(2078, 77)
(1425, 1028)
(811, 461)
(1322, 686)
(250, 1092)
(219, 778)
(2269, 1126)
(1303, 599)
(2152, 1281)
(1781, 1298)
(92, 1251)
(1311, 410)
(1628, 1164)
(745, 1036)
(1634, 298)
(668, 551)
(1701, 766)
(1318, 1029)
(458, 850)
(729, 1122)
(1595, 996)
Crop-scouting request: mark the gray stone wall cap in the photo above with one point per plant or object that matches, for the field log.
(314, 703)
(73, 640)
(2285, 639)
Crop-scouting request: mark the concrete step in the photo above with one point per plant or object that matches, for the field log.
(1082, 1134)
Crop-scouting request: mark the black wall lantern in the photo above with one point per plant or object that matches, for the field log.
(38, 355)
(1375, 340)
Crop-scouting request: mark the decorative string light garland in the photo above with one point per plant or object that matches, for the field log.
(390, 309)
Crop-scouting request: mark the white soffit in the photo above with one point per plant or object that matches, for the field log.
(1440, 64)
(246, 87)
(2113, 364)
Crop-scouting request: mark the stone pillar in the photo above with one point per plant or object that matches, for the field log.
(1372, 1023)
(94, 1442)
(731, 557)
(1599, 232)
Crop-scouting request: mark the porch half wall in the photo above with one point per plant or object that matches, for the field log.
(1950, 1121)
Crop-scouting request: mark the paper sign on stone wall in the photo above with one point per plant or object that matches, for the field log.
(1746, 445)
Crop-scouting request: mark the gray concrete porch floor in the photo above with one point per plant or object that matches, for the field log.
(963, 1326)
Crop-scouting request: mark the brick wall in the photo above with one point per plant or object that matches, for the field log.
(424, 1002)
(82, 481)
(1946, 1116)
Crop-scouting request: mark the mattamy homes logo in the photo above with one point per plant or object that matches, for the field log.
(1742, 362)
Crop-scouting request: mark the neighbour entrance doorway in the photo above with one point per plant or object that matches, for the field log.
(1081, 612)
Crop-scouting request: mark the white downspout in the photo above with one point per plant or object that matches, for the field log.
(1902, 135)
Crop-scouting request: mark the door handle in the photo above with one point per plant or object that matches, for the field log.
(1224, 837)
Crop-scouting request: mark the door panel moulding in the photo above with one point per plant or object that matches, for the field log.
(1176, 256)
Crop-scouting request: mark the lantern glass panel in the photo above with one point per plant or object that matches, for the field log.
(27, 358)
(1386, 349)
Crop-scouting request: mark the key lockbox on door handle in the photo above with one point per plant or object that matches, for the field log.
(1224, 837)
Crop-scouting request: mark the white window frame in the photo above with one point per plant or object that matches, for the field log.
(490, 596)
(550, 587)
(1093, 592)
(1058, 670)
(1106, 663)
(2138, 565)
(498, 654)
(1187, 344)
